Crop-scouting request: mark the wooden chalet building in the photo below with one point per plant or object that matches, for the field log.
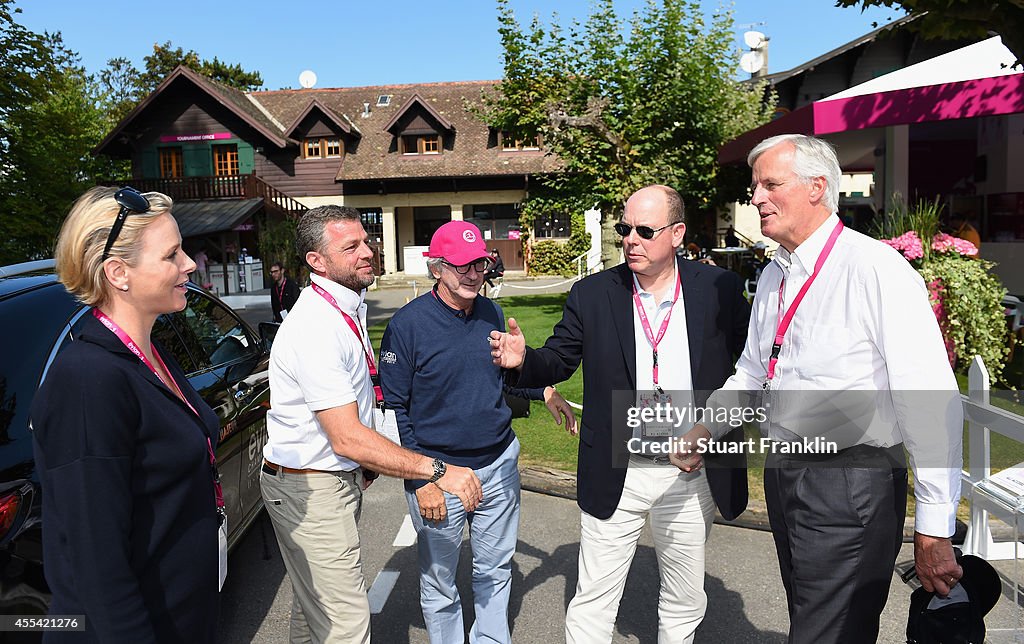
(409, 157)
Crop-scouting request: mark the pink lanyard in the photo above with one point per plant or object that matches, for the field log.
(664, 323)
(377, 392)
(172, 385)
(780, 332)
(280, 291)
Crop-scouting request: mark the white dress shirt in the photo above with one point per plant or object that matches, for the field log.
(316, 363)
(864, 325)
(674, 374)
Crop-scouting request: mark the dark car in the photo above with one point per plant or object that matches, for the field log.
(226, 361)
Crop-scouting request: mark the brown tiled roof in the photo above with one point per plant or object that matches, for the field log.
(371, 159)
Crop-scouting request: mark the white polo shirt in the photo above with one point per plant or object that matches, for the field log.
(316, 363)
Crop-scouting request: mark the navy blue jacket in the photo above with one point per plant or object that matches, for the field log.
(597, 329)
(437, 373)
(129, 513)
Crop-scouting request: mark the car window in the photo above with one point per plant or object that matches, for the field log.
(222, 337)
(165, 334)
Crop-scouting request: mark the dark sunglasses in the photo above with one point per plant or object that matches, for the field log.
(645, 232)
(480, 265)
(130, 200)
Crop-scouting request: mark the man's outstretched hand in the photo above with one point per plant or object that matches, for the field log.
(508, 349)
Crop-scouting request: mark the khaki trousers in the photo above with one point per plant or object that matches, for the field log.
(314, 517)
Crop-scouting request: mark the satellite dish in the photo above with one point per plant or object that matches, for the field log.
(754, 39)
(307, 79)
(752, 62)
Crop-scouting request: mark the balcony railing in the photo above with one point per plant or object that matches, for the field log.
(235, 186)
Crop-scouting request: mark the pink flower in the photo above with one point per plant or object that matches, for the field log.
(964, 247)
(943, 243)
(909, 244)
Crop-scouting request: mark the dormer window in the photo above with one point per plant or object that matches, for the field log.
(321, 148)
(419, 129)
(509, 142)
(421, 144)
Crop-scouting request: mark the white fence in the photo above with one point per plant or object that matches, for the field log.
(983, 419)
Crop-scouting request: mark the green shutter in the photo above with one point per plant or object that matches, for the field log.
(198, 160)
(150, 163)
(246, 158)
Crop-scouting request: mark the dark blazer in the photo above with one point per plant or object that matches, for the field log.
(286, 302)
(129, 511)
(597, 329)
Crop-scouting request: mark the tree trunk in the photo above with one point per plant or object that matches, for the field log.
(611, 243)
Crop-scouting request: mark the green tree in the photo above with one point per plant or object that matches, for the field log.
(49, 162)
(955, 19)
(166, 57)
(23, 58)
(625, 107)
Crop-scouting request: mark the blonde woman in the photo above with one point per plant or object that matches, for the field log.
(123, 443)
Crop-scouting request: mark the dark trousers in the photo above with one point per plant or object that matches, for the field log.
(838, 526)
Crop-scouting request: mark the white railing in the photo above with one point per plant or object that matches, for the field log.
(983, 419)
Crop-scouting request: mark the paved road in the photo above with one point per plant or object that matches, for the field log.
(746, 598)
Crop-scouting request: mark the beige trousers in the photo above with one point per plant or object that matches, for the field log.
(314, 517)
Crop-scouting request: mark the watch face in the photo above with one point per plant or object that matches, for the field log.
(439, 469)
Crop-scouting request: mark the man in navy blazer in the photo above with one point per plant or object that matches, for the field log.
(620, 324)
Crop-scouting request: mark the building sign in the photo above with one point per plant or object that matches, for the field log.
(188, 138)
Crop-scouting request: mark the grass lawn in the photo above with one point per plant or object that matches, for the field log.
(546, 444)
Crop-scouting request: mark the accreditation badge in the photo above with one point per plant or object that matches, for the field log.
(386, 424)
(660, 425)
(222, 552)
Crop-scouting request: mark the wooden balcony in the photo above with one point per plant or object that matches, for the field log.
(236, 186)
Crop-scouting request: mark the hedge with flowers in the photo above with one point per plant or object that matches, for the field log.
(965, 296)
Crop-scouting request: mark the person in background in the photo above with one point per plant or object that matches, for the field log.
(123, 443)
(283, 293)
(448, 397)
(496, 269)
(321, 442)
(731, 240)
(963, 229)
(200, 275)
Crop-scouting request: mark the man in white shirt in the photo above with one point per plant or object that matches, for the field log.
(857, 359)
(320, 431)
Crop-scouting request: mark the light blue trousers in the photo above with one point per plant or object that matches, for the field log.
(493, 532)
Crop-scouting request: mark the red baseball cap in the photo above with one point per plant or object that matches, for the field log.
(458, 243)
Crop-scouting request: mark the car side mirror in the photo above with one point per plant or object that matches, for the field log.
(268, 331)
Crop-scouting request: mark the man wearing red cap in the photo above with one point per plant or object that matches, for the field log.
(448, 398)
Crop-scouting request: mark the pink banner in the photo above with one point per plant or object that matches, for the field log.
(187, 138)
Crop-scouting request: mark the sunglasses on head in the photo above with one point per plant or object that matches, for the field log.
(130, 200)
(480, 265)
(645, 232)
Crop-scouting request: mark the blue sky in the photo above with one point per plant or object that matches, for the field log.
(375, 42)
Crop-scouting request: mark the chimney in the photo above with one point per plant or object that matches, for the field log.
(366, 108)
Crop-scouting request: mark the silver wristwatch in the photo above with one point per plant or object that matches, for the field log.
(439, 470)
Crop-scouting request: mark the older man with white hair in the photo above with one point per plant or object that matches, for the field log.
(841, 319)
